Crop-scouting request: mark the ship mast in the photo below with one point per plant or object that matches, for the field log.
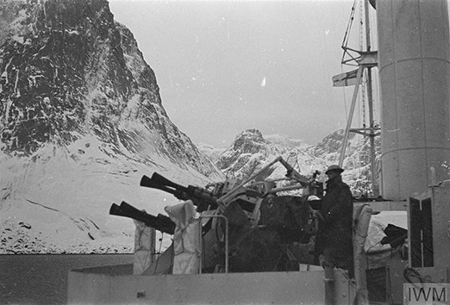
(365, 60)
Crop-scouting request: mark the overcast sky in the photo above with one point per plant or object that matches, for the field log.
(223, 67)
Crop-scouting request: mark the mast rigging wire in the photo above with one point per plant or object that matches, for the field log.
(347, 31)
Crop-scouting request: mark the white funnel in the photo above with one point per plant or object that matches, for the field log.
(413, 41)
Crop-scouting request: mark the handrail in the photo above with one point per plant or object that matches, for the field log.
(226, 240)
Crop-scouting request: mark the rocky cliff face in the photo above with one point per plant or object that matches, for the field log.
(246, 154)
(67, 70)
(81, 120)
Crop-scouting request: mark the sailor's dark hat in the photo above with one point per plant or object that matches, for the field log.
(334, 168)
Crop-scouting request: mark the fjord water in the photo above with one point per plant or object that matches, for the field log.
(42, 278)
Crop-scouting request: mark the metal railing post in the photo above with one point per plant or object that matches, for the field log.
(226, 240)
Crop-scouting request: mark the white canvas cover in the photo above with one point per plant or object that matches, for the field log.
(186, 239)
(377, 253)
(144, 244)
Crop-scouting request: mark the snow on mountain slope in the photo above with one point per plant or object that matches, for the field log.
(251, 151)
(64, 196)
(81, 120)
(357, 158)
(286, 141)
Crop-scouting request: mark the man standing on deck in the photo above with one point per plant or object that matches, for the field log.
(334, 239)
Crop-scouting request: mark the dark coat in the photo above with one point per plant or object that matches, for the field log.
(336, 228)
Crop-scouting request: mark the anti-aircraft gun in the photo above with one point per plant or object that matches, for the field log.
(257, 218)
(160, 222)
(202, 198)
(225, 192)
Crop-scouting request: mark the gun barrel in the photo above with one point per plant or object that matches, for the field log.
(161, 180)
(160, 222)
(286, 188)
(148, 182)
(202, 198)
(293, 174)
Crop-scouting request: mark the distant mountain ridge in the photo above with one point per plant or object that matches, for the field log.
(250, 151)
(286, 141)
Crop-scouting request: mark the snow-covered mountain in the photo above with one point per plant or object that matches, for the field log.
(251, 151)
(81, 121)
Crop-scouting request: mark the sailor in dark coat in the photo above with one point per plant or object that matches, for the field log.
(334, 239)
